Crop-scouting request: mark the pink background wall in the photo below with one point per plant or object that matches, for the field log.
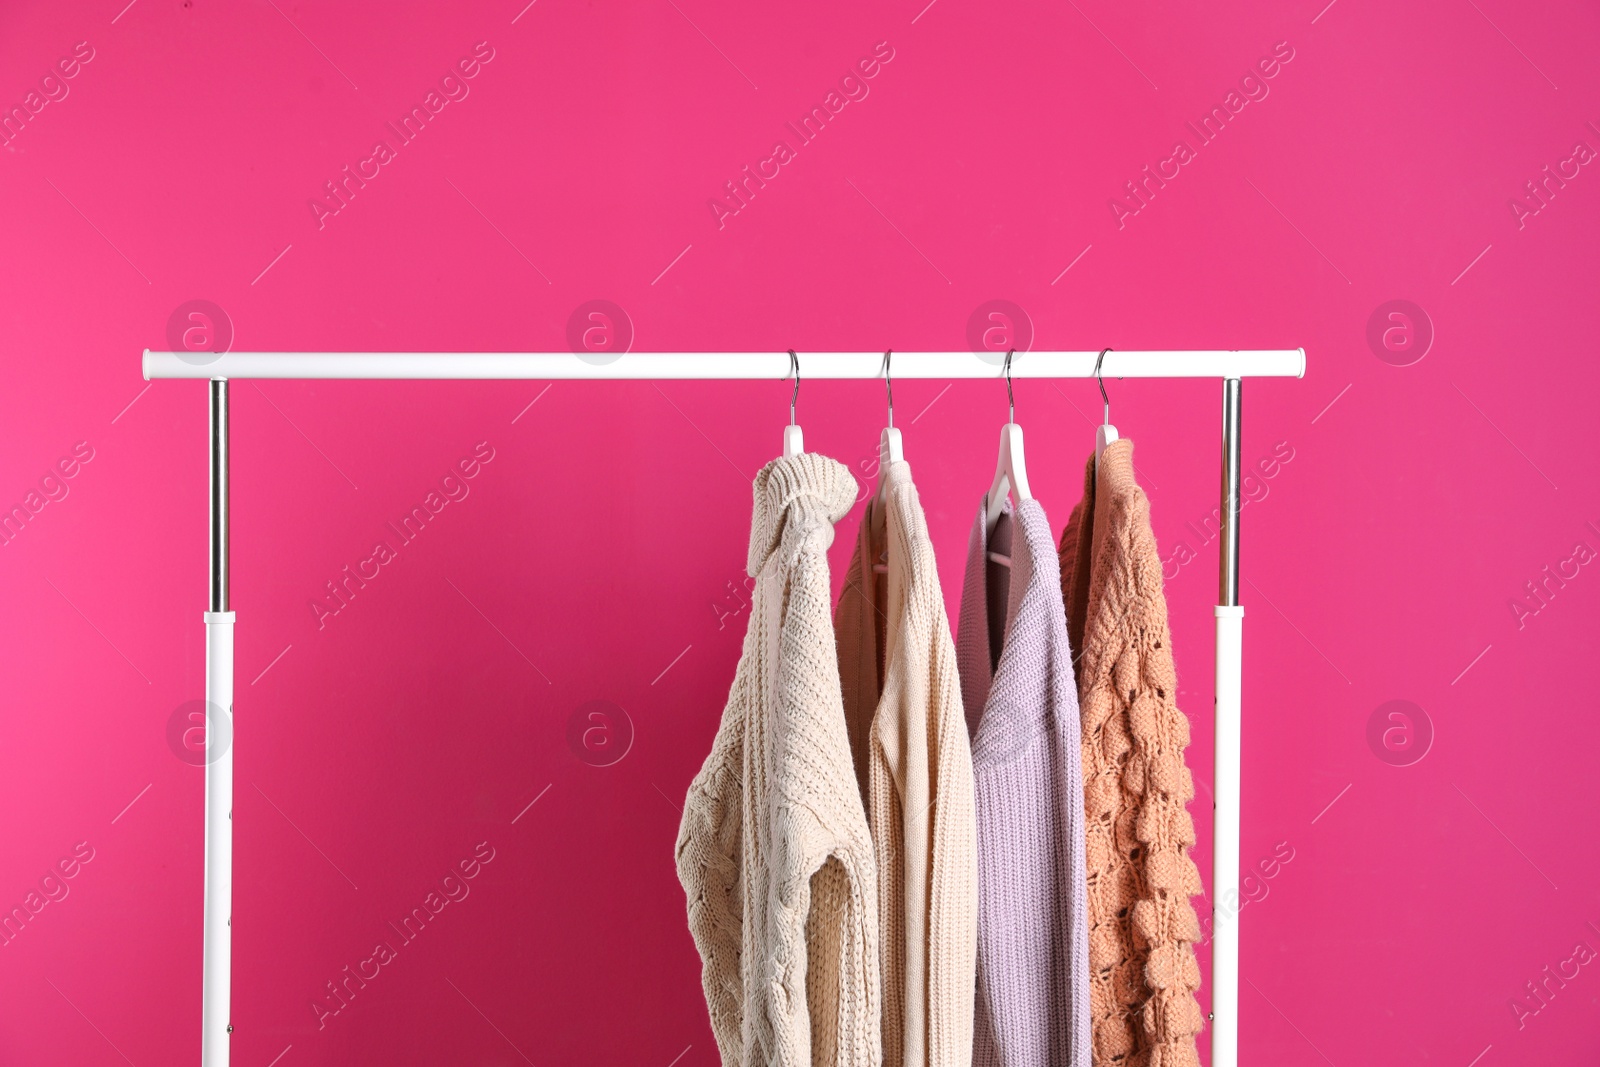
(1414, 874)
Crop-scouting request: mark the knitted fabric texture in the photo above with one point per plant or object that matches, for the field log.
(1142, 963)
(773, 851)
(1022, 712)
(902, 707)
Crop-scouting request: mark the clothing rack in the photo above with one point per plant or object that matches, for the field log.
(219, 368)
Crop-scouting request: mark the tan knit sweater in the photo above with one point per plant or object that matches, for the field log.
(908, 734)
(1142, 969)
(774, 852)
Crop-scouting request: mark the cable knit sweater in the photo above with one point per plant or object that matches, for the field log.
(1142, 926)
(902, 707)
(774, 852)
(1022, 711)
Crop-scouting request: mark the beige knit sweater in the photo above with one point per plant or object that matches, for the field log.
(774, 852)
(1142, 928)
(908, 734)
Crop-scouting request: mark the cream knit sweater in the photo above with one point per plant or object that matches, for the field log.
(902, 706)
(774, 852)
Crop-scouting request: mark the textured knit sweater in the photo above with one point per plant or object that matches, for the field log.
(774, 852)
(902, 707)
(1022, 712)
(1140, 877)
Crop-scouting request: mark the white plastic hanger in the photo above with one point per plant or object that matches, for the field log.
(1107, 433)
(890, 447)
(1011, 470)
(890, 450)
(794, 441)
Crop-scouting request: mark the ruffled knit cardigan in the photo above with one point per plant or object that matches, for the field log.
(902, 707)
(1143, 973)
(774, 852)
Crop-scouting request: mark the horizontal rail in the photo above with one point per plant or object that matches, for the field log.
(1270, 363)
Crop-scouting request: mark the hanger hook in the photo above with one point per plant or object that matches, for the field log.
(1102, 382)
(794, 371)
(888, 382)
(1010, 399)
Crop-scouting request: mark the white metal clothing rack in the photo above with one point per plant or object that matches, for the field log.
(1231, 367)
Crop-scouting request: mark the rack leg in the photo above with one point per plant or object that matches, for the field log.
(1225, 844)
(1225, 786)
(218, 949)
(216, 996)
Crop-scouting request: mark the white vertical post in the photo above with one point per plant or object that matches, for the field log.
(1225, 844)
(218, 946)
(1225, 834)
(217, 950)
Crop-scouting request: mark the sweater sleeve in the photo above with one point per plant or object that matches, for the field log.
(1164, 917)
(953, 876)
(708, 859)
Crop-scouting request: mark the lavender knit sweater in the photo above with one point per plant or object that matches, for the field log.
(1022, 713)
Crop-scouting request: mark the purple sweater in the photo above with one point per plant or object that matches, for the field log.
(1022, 712)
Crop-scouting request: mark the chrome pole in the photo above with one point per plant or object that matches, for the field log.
(219, 494)
(1229, 573)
